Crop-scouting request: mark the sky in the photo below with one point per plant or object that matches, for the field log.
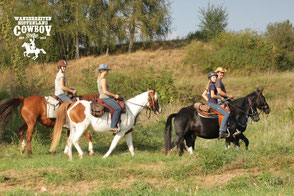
(243, 14)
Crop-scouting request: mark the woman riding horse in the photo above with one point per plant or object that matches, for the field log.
(60, 82)
(212, 102)
(108, 97)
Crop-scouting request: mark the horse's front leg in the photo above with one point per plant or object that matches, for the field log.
(129, 141)
(244, 138)
(114, 142)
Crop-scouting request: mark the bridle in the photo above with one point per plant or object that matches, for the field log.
(153, 105)
(250, 113)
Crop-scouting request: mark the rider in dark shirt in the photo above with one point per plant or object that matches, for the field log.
(212, 102)
(220, 87)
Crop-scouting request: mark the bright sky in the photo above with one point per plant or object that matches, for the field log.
(253, 14)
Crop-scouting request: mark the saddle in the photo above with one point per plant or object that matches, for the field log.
(205, 111)
(98, 107)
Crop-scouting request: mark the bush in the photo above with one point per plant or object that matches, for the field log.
(131, 84)
(245, 51)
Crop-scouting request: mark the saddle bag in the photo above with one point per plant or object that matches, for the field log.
(52, 106)
(97, 109)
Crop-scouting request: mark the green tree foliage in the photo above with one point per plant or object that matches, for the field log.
(213, 20)
(146, 18)
(281, 34)
(89, 27)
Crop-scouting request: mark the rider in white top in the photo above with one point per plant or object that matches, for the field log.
(60, 87)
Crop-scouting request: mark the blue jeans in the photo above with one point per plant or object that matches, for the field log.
(221, 110)
(64, 98)
(117, 109)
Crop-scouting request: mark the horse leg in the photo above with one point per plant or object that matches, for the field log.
(76, 133)
(30, 132)
(190, 141)
(67, 142)
(90, 149)
(130, 143)
(114, 142)
(178, 139)
(182, 147)
(228, 143)
(244, 138)
(21, 131)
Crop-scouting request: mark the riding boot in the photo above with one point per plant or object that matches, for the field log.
(222, 135)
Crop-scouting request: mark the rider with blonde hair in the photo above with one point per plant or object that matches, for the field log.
(60, 81)
(107, 97)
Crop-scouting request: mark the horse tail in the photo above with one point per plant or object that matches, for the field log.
(167, 134)
(6, 108)
(60, 121)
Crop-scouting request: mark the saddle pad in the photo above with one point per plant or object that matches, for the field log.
(52, 107)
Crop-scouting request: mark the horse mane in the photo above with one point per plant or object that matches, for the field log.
(239, 102)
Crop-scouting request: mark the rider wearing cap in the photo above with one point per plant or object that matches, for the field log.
(212, 102)
(60, 87)
(108, 97)
(220, 87)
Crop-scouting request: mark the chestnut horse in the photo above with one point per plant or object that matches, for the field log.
(33, 109)
(79, 117)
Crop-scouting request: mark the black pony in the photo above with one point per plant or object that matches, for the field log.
(188, 124)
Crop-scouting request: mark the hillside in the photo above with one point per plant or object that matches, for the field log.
(267, 168)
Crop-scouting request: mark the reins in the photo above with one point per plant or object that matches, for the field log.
(247, 113)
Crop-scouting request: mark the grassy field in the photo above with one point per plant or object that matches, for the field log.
(267, 168)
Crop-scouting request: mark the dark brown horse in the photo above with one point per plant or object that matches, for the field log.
(33, 109)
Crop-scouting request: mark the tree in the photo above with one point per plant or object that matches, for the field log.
(281, 34)
(146, 18)
(213, 20)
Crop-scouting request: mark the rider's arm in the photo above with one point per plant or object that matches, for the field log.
(214, 96)
(105, 91)
(64, 88)
(204, 95)
(222, 93)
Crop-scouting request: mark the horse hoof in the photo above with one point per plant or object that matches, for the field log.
(81, 156)
(91, 153)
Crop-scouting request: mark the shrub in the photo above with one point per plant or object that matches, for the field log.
(244, 51)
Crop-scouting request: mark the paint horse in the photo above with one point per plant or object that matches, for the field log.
(33, 109)
(79, 116)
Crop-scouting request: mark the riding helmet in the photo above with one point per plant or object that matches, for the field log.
(210, 74)
(61, 63)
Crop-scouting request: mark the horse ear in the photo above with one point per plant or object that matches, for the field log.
(147, 88)
(154, 90)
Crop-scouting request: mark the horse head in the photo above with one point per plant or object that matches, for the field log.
(24, 44)
(261, 102)
(153, 102)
